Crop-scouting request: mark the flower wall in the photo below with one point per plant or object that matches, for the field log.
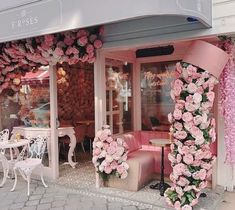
(193, 131)
(227, 99)
(18, 57)
(75, 85)
(109, 155)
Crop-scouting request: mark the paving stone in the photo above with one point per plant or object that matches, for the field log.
(17, 205)
(129, 208)
(29, 208)
(44, 206)
(58, 203)
(32, 203)
(46, 200)
(35, 197)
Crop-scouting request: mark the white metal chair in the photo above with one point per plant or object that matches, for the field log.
(4, 135)
(33, 161)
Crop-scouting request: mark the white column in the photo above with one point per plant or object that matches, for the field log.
(53, 118)
(100, 90)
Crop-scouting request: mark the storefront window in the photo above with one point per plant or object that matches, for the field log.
(119, 95)
(156, 102)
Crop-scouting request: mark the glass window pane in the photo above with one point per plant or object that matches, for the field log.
(119, 86)
(156, 102)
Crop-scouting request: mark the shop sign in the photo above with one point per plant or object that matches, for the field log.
(30, 18)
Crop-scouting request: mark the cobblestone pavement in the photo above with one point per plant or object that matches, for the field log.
(57, 197)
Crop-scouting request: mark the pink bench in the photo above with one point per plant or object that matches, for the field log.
(144, 160)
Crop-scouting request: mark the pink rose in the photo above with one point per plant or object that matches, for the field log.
(182, 181)
(179, 104)
(206, 166)
(68, 41)
(111, 150)
(82, 32)
(178, 126)
(188, 159)
(211, 96)
(113, 144)
(180, 135)
(190, 107)
(124, 175)
(197, 162)
(179, 67)
(185, 150)
(178, 158)
(203, 185)
(177, 205)
(191, 70)
(82, 41)
(186, 207)
(199, 140)
(170, 118)
(107, 169)
(89, 48)
(194, 202)
(196, 132)
(187, 117)
(97, 44)
(58, 51)
(192, 88)
(197, 98)
(171, 158)
(197, 120)
(178, 169)
(120, 169)
(114, 165)
(177, 114)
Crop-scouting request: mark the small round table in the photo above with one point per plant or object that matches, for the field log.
(5, 163)
(161, 186)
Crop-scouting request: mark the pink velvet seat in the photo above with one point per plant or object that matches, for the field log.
(144, 159)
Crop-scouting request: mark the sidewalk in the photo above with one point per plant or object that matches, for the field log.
(58, 197)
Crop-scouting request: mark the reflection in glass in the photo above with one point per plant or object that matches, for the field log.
(119, 95)
(156, 102)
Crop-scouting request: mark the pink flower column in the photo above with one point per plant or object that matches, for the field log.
(227, 100)
(192, 127)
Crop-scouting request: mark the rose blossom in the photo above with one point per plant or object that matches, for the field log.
(178, 126)
(182, 181)
(188, 159)
(197, 98)
(187, 117)
(170, 118)
(192, 88)
(120, 169)
(197, 120)
(82, 41)
(203, 185)
(178, 158)
(108, 158)
(210, 95)
(180, 134)
(97, 151)
(190, 107)
(177, 205)
(177, 114)
(186, 207)
(97, 44)
(178, 169)
(89, 48)
(107, 169)
(111, 150)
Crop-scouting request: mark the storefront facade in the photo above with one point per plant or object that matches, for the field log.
(136, 28)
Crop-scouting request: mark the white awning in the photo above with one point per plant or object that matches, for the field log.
(26, 18)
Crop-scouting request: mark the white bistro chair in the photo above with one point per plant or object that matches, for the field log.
(33, 160)
(4, 135)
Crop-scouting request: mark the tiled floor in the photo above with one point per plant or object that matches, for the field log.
(228, 202)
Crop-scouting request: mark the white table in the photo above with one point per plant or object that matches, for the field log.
(31, 132)
(6, 163)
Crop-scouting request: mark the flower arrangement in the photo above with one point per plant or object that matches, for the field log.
(109, 155)
(227, 98)
(18, 57)
(192, 131)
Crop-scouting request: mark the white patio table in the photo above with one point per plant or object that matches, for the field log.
(12, 144)
(33, 132)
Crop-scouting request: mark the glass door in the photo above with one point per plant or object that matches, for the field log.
(119, 95)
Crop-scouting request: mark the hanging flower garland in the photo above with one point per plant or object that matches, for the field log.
(109, 155)
(227, 99)
(193, 132)
(21, 56)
